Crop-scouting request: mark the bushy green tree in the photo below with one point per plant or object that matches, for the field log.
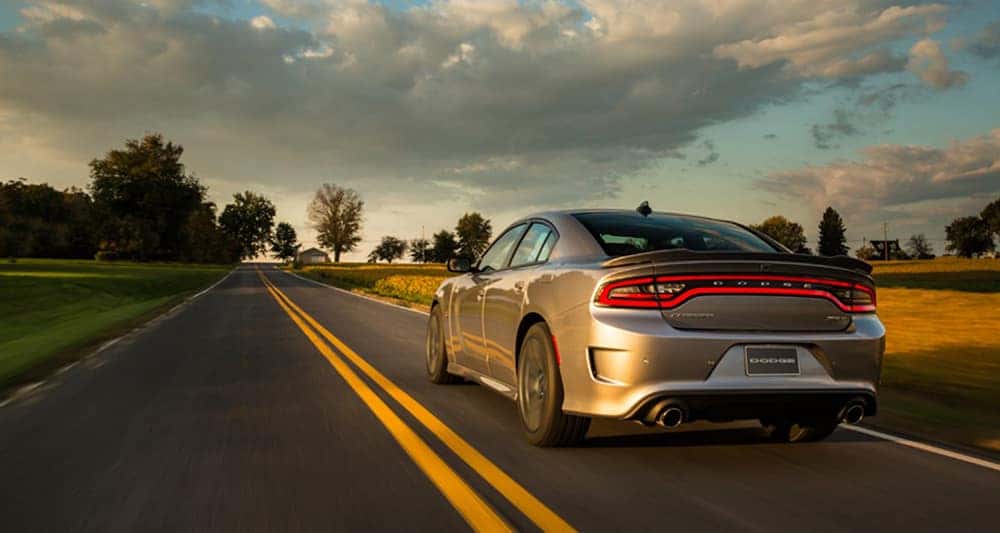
(832, 238)
(388, 250)
(919, 247)
(474, 234)
(991, 217)
(788, 233)
(144, 198)
(420, 250)
(36, 220)
(969, 237)
(248, 221)
(445, 246)
(284, 243)
(205, 241)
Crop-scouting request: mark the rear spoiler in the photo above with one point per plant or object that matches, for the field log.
(680, 254)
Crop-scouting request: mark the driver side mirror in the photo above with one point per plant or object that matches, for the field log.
(460, 265)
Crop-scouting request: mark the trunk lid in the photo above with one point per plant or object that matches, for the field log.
(736, 291)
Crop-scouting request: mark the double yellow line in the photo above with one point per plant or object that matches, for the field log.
(476, 511)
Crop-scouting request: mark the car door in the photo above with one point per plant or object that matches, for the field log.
(505, 298)
(469, 298)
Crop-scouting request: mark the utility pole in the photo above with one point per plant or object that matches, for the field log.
(885, 235)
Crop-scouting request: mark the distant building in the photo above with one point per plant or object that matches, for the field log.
(313, 256)
(879, 246)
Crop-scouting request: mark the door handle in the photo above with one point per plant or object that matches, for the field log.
(519, 286)
(480, 294)
(546, 278)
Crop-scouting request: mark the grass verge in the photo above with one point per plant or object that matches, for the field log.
(52, 311)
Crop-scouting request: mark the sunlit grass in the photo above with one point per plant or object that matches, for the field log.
(50, 309)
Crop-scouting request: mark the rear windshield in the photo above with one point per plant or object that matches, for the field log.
(625, 234)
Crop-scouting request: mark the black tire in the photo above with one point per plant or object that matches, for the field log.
(805, 430)
(436, 355)
(540, 394)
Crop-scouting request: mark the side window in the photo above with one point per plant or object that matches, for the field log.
(547, 246)
(532, 243)
(496, 256)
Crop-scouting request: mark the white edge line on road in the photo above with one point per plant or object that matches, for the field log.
(338, 289)
(25, 390)
(870, 432)
(925, 447)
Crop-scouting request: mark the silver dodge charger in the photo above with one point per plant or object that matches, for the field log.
(662, 319)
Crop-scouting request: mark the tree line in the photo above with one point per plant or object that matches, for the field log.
(970, 236)
(140, 204)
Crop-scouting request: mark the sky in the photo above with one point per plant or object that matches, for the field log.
(739, 109)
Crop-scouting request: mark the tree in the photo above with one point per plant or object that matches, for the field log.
(284, 243)
(144, 198)
(204, 241)
(420, 250)
(919, 247)
(335, 214)
(865, 253)
(39, 221)
(968, 237)
(391, 248)
(991, 217)
(445, 246)
(473, 235)
(784, 231)
(248, 221)
(832, 240)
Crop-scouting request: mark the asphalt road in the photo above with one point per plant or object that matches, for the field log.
(224, 415)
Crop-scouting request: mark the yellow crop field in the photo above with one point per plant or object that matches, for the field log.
(407, 282)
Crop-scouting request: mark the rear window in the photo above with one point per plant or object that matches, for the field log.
(625, 234)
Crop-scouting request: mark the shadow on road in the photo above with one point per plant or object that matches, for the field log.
(717, 437)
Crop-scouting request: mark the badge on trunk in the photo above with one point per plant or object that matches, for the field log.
(772, 361)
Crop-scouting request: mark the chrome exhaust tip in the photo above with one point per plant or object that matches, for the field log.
(854, 413)
(670, 417)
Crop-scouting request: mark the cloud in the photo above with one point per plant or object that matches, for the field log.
(832, 43)
(929, 63)
(842, 126)
(262, 22)
(871, 108)
(986, 44)
(428, 104)
(711, 157)
(892, 177)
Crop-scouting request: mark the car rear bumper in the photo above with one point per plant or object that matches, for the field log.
(629, 361)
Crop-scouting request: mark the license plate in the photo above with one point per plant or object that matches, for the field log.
(771, 361)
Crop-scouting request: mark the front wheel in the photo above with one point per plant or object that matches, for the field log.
(540, 394)
(437, 352)
(806, 430)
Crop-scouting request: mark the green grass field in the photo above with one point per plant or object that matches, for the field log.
(52, 310)
(941, 376)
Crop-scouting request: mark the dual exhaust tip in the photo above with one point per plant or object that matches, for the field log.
(672, 415)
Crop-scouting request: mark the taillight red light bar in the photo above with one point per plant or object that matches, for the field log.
(668, 292)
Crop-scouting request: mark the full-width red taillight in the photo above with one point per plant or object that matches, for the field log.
(668, 292)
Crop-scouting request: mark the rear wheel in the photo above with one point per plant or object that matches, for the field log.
(540, 394)
(437, 352)
(801, 430)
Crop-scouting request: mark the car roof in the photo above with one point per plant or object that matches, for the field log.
(572, 212)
